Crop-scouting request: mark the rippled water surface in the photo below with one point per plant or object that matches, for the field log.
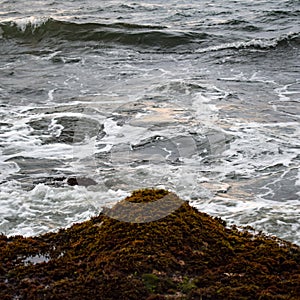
(98, 98)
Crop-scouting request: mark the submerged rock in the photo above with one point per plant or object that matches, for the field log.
(185, 255)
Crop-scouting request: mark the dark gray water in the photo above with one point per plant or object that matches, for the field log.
(199, 97)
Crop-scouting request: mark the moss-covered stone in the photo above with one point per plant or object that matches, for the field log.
(184, 255)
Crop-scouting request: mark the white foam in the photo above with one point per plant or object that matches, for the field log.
(272, 217)
(47, 208)
(32, 21)
(50, 94)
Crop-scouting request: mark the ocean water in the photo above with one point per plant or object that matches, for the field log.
(198, 97)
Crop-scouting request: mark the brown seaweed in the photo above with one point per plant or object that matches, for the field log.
(185, 255)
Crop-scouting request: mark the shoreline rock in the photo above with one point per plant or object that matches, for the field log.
(185, 255)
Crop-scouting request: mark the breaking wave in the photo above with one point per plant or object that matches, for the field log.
(121, 33)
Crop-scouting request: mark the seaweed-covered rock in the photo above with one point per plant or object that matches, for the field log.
(185, 255)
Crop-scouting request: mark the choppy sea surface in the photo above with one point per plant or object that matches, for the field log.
(199, 97)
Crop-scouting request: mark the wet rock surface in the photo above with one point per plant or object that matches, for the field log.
(67, 129)
(185, 255)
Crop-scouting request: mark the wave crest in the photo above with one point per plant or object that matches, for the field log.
(260, 44)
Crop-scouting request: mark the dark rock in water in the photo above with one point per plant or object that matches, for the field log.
(80, 181)
(185, 255)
